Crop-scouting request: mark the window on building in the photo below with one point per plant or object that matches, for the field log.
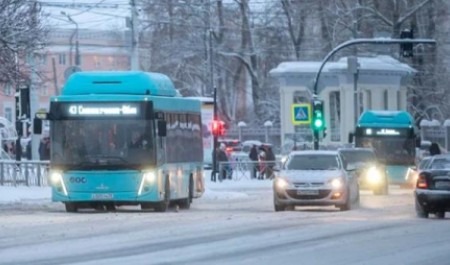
(8, 89)
(385, 99)
(301, 97)
(335, 116)
(62, 58)
(369, 99)
(8, 113)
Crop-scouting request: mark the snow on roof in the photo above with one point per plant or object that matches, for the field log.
(380, 63)
(88, 14)
(203, 99)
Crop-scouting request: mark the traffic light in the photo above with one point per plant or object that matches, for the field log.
(218, 128)
(406, 49)
(318, 117)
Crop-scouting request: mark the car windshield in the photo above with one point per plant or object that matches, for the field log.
(358, 157)
(312, 162)
(440, 163)
(102, 143)
(390, 150)
(424, 163)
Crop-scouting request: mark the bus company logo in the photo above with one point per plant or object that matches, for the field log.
(80, 110)
(78, 180)
(102, 187)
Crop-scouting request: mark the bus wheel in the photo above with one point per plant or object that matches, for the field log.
(164, 205)
(186, 203)
(146, 206)
(71, 207)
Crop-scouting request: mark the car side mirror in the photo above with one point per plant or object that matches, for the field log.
(162, 128)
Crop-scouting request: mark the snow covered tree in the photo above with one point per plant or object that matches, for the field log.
(21, 35)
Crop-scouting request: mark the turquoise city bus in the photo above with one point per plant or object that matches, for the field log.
(392, 135)
(124, 138)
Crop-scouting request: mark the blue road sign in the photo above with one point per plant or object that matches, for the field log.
(301, 113)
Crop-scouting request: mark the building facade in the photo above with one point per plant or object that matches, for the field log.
(378, 83)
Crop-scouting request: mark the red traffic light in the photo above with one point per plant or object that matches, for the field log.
(218, 128)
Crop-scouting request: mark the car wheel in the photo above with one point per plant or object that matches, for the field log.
(278, 207)
(347, 205)
(358, 199)
(440, 215)
(420, 211)
(71, 207)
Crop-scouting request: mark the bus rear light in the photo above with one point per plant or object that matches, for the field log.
(422, 182)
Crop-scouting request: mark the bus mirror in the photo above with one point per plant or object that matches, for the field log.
(162, 128)
(37, 126)
(350, 137)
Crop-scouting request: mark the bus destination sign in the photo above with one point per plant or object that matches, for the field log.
(109, 110)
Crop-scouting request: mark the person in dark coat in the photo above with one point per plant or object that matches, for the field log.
(254, 159)
(44, 149)
(434, 149)
(270, 157)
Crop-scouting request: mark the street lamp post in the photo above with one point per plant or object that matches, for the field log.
(268, 125)
(241, 125)
(77, 50)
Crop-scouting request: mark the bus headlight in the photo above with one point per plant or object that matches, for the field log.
(374, 176)
(55, 178)
(150, 177)
(337, 183)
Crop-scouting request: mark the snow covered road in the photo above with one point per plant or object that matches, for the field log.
(231, 224)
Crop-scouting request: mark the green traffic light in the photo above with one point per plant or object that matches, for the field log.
(318, 123)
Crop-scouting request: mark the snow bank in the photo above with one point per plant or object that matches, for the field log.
(223, 195)
(21, 194)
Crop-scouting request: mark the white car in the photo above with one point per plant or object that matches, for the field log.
(315, 178)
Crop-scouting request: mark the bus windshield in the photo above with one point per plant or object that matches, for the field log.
(390, 150)
(93, 144)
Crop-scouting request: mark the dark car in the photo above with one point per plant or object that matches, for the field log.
(432, 192)
(413, 172)
(370, 172)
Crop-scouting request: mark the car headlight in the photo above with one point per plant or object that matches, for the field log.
(337, 183)
(374, 175)
(281, 183)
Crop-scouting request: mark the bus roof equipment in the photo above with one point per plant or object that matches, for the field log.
(119, 82)
(399, 119)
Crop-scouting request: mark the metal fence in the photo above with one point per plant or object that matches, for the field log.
(24, 173)
(246, 169)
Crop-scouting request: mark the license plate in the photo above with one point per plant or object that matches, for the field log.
(102, 196)
(307, 192)
(442, 184)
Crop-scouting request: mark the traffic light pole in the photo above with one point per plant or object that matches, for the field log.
(316, 139)
(215, 140)
(379, 41)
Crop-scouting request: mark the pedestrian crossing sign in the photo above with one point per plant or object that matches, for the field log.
(301, 113)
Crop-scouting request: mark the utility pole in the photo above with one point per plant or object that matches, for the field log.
(134, 37)
(211, 63)
(215, 141)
